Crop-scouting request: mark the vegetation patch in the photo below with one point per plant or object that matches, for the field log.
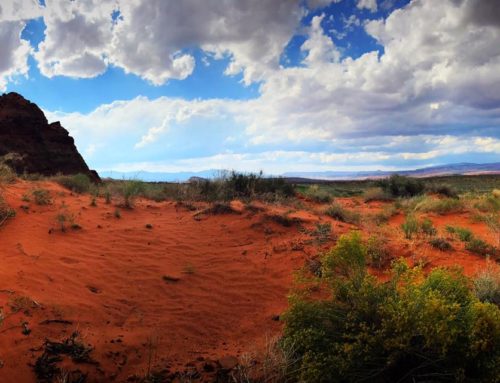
(465, 235)
(440, 206)
(337, 212)
(377, 194)
(478, 246)
(409, 329)
(440, 244)
(401, 186)
(41, 197)
(78, 183)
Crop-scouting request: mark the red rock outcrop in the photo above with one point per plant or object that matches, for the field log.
(36, 145)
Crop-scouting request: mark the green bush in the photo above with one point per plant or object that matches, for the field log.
(41, 196)
(487, 285)
(427, 227)
(440, 206)
(5, 211)
(411, 328)
(440, 244)
(130, 190)
(410, 226)
(376, 194)
(336, 211)
(377, 253)
(478, 246)
(465, 235)
(78, 183)
(442, 189)
(401, 186)
(315, 194)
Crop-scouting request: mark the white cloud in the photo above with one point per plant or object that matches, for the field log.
(14, 52)
(367, 4)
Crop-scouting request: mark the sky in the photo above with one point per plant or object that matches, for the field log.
(272, 85)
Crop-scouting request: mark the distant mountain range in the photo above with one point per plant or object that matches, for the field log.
(433, 171)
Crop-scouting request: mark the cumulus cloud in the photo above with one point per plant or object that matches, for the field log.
(14, 52)
(371, 5)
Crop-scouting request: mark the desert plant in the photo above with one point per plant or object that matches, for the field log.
(41, 196)
(117, 213)
(410, 226)
(385, 214)
(7, 175)
(315, 194)
(427, 227)
(408, 329)
(440, 244)
(442, 189)
(130, 190)
(487, 284)
(377, 253)
(401, 186)
(377, 194)
(440, 206)
(478, 246)
(337, 212)
(78, 183)
(6, 211)
(465, 235)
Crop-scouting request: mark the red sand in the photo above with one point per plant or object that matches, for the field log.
(234, 271)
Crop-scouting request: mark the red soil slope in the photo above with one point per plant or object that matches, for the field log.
(234, 273)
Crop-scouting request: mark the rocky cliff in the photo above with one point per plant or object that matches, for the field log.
(32, 144)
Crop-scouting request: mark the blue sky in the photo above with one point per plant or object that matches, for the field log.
(253, 85)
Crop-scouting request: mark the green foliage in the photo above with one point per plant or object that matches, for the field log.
(478, 246)
(487, 285)
(440, 244)
(377, 253)
(78, 183)
(410, 226)
(440, 206)
(317, 194)
(336, 211)
(41, 196)
(377, 194)
(130, 190)
(386, 214)
(427, 227)
(401, 186)
(465, 235)
(412, 328)
(442, 189)
(5, 211)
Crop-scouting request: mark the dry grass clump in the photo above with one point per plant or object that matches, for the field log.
(377, 252)
(41, 197)
(377, 194)
(440, 205)
(440, 244)
(339, 213)
(7, 175)
(6, 211)
(78, 183)
(316, 194)
(487, 284)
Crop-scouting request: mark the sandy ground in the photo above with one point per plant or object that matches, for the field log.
(106, 280)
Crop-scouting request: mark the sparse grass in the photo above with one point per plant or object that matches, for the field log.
(78, 183)
(377, 194)
(410, 226)
(440, 244)
(377, 253)
(440, 205)
(65, 220)
(322, 233)
(7, 175)
(317, 194)
(427, 227)
(337, 212)
(480, 247)
(21, 303)
(221, 208)
(41, 197)
(385, 214)
(465, 235)
(487, 284)
(283, 219)
(130, 190)
(6, 211)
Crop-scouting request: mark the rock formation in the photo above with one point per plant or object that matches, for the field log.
(31, 145)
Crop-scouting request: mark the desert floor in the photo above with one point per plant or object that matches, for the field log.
(164, 285)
